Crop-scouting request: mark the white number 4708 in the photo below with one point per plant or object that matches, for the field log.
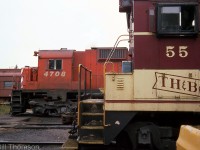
(54, 73)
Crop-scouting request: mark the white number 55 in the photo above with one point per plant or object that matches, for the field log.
(182, 51)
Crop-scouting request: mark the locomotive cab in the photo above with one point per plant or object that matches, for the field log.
(177, 19)
(144, 108)
(162, 92)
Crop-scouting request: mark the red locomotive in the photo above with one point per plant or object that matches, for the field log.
(52, 85)
(144, 108)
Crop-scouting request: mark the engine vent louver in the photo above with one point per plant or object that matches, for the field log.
(119, 54)
(120, 83)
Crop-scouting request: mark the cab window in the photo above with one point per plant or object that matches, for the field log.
(55, 64)
(8, 84)
(177, 19)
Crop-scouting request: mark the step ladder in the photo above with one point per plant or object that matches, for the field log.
(16, 102)
(91, 117)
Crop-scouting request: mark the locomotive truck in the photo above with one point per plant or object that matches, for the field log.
(51, 88)
(144, 108)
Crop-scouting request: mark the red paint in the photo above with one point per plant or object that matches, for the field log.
(41, 77)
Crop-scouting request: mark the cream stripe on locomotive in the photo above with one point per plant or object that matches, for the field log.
(145, 33)
(153, 90)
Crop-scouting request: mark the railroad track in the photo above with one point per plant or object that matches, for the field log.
(4, 103)
(30, 145)
(32, 122)
(32, 133)
(31, 142)
(28, 126)
(36, 126)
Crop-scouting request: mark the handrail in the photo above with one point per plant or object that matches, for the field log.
(105, 64)
(110, 56)
(115, 46)
(79, 85)
(79, 80)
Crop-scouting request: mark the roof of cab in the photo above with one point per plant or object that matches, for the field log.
(53, 54)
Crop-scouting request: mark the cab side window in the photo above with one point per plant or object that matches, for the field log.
(55, 64)
(177, 19)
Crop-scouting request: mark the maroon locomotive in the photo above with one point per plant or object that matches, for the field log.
(144, 108)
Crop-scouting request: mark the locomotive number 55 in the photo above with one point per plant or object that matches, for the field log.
(183, 52)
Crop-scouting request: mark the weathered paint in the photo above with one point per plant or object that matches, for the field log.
(153, 90)
(152, 52)
(35, 78)
(9, 75)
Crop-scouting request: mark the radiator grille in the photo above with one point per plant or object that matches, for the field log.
(118, 54)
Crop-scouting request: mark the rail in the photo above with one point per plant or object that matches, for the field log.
(4, 103)
(24, 145)
(85, 80)
(30, 142)
(109, 62)
(111, 54)
(80, 68)
(115, 46)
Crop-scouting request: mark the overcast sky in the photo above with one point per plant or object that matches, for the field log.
(31, 25)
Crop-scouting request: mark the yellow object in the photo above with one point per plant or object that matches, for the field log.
(189, 138)
(70, 144)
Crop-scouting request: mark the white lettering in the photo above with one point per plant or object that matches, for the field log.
(54, 74)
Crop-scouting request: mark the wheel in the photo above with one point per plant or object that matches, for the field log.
(50, 112)
(146, 135)
(62, 109)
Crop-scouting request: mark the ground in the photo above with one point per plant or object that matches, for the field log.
(22, 129)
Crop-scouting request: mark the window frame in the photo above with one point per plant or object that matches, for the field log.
(6, 85)
(161, 32)
(55, 64)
